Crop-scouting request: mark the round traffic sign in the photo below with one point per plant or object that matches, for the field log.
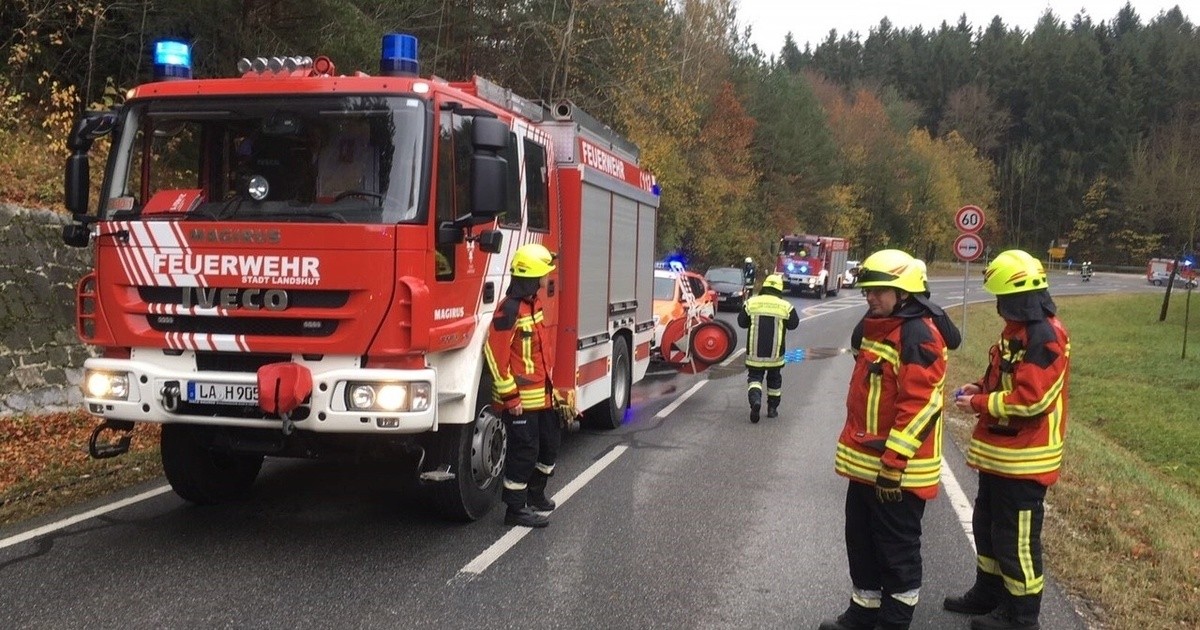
(968, 247)
(968, 219)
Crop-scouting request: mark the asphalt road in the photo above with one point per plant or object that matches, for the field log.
(690, 517)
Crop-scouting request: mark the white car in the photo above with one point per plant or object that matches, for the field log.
(850, 278)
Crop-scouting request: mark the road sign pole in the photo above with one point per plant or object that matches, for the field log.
(966, 276)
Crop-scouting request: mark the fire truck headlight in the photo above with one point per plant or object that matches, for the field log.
(362, 396)
(419, 396)
(110, 385)
(391, 397)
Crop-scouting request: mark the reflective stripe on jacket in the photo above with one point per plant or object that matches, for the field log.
(1023, 405)
(517, 356)
(768, 318)
(894, 405)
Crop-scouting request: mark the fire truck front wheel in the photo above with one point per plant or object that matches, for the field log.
(475, 454)
(201, 474)
(609, 414)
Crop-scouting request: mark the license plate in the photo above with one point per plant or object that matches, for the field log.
(221, 393)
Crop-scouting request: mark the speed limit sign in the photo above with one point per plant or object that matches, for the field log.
(968, 219)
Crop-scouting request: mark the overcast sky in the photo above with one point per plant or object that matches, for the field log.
(810, 20)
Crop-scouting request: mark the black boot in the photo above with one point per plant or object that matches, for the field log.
(981, 599)
(537, 492)
(1012, 614)
(855, 618)
(755, 398)
(525, 517)
(772, 411)
(754, 414)
(518, 513)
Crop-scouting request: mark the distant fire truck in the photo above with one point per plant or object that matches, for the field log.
(812, 264)
(292, 262)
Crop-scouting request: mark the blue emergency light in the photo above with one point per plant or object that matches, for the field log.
(172, 60)
(399, 55)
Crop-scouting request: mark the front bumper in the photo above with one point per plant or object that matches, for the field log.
(802, 282)
(151, 383)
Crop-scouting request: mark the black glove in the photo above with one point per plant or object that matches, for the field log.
(887, 485)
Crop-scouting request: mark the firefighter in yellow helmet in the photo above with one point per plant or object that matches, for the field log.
(891, 443)
(768, 317)
(1020, 406)
(520, 358)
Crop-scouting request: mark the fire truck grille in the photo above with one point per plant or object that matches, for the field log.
(296, 298)
(257, 326)
(236, 361)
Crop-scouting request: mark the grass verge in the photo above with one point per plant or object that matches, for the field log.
(1123, 523)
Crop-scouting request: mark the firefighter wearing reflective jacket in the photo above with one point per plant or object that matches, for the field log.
(1017, 446)
(890, 447)
(769, 317)
(519, 355)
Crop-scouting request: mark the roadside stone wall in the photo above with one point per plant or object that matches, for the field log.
(41, 358)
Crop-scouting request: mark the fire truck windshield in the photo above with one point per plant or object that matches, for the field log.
(345, 159)
(801, 249)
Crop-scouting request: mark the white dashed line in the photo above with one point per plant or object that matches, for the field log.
(514, 535)
(79, 518)
(959, 501)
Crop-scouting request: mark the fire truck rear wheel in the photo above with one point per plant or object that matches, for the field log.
(198, 473)
(475, 453)
(609, 414)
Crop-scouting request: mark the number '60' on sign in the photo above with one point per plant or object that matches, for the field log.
(968, 219)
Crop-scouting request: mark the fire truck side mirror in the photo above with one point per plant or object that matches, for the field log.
(75, 184)
(489, 171)
(89, 127)
(490, 241)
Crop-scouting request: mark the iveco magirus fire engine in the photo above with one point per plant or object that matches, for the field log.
(812, 264)
(293, 262)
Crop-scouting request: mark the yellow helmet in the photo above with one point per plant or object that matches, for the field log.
(924, 272)
(1014, 271)
(773, 281)
(892, 268)
(532, 261)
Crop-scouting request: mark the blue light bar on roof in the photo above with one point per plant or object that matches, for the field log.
(172, 60)
(399, 55)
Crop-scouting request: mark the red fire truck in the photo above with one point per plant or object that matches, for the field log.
(812, 264)
(294, 262)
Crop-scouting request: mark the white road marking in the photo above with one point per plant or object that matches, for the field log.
(666, 411)
(78, 518)
(514, 535)
(959, 501)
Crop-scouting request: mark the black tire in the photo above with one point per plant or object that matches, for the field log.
(199, 474)
(821, 292)
(609, 414)
(475, 453)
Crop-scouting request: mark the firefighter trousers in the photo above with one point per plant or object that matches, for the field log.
(1008, 538)
(883, 545)
(754, 385)
(533, 439)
